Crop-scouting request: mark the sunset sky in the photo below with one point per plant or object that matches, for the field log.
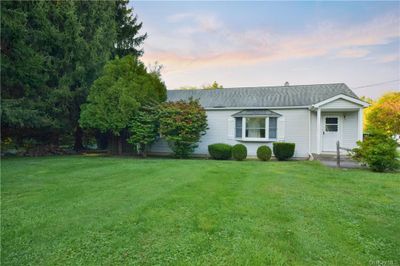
(268, 43)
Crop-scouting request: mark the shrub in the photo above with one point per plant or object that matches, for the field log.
(264, 153)
(378, 151)
(182, 123)
(143, 128)
(239, 152)
(283, 150)
(220, 151)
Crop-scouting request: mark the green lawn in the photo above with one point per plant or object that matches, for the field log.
(105, 210)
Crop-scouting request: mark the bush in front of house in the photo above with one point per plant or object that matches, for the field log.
(378, 151)
(264, 153)
(220, 151)
(283, 150)
(182, 123)
(239, 152)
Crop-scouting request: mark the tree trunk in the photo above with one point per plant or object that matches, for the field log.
(119, 145)
(78, 145)
(144, 154)
(111, 144)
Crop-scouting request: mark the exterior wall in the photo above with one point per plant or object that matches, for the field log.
(340, 104)
(313, 130)
(296, 130)
(350, 130)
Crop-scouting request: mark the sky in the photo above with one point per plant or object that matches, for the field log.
(268, 43)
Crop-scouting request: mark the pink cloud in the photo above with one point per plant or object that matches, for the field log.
(353, 53)
(204, 41)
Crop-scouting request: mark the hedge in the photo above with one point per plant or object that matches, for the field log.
(264, 153)
(220, 151)
(239, 152)
(283, 150)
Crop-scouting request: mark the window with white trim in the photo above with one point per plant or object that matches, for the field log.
(254, 128)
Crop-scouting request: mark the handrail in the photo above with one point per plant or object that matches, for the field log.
(338, 148)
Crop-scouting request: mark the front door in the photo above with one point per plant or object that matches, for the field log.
(330, 133)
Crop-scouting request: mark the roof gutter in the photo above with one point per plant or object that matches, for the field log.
(255, 108)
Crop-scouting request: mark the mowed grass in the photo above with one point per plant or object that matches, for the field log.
(107, 210)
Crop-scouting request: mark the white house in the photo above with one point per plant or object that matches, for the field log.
(314, 117)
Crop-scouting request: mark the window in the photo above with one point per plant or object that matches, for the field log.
(331, 124)
(273, 126)
(255, 127)
(238, 127)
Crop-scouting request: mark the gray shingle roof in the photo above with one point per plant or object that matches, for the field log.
(277, 96)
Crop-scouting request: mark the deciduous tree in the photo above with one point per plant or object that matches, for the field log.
(213, 86)
(118, 93)
(384, 115)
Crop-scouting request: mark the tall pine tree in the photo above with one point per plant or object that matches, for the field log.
(51, 52)
(128, 27)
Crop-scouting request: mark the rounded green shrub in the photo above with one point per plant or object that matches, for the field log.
(283, 150)
(264, 153)
(220, 151)
(239, 152)
(378, 151)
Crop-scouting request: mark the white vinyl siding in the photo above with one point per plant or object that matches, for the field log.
(340, 104)
(295, 126)
(231, 127)
(281, 127)
(292, 126)
(350, 130)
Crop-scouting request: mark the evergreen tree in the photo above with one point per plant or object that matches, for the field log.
(128, 27)
(25, 71)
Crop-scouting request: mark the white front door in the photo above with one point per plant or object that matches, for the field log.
(330, 132)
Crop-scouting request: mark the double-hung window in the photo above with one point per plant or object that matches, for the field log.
(255, 127)
(273, 127)
(238, 127)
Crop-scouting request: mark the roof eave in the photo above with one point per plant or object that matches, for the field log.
(340, 96)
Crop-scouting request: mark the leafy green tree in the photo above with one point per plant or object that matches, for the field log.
(117, 95)
(128, 27)
(143, 128)
(213, 86)
(384, 114)
(188, 88)
(182, 124)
